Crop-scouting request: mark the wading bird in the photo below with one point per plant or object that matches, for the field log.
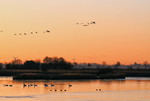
(24, 85)
(46, 85)
(52, 85)
(70, 85)
(34, 85)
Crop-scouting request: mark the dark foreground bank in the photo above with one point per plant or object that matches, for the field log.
(34, 76)
(55, 74)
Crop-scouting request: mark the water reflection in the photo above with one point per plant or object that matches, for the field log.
(30, 89)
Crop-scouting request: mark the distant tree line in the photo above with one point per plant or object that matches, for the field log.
(48, 63)
(61, 63)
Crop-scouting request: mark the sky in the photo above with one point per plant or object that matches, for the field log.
(121, 32)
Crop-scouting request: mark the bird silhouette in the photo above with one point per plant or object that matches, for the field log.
(5, 85)
(29, 85)
(52, 85)
(34, 85)
(24, 85)
(46, 85)
(93, 22)
(70, 85)
(85, 25)
(10, 85)
(98, 89)
(47, 31)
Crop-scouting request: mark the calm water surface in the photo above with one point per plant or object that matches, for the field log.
(131, 89)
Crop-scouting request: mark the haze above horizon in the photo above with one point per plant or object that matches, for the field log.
(121, 32)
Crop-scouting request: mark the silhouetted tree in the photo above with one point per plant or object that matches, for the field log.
(145, 63)
(47, 60)
(104, 63)
(117, 64)
(89, 64)
(135, 63)
(14, 64)
(75, 63)
(17, 62)
(55, 63)
(31, 65)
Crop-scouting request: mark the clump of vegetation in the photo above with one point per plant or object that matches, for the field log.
(48, 63)
(55, 63)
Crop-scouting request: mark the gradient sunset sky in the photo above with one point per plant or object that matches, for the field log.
(121, 32)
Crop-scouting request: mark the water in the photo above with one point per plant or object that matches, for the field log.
(131, 89)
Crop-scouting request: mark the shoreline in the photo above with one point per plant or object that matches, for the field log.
(34, 76)
(55, 74)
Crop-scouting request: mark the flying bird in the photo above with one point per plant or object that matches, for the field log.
(15, 58)
(93, 22)
(85, 25)
(47, 31)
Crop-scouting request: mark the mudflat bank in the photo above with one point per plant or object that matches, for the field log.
(56, 74)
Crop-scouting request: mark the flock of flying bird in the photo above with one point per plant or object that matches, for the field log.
(87, 24)
(48, 31)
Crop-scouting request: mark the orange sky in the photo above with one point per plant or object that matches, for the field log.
(121, 32)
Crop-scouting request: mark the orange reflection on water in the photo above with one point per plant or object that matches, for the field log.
(62, 86)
